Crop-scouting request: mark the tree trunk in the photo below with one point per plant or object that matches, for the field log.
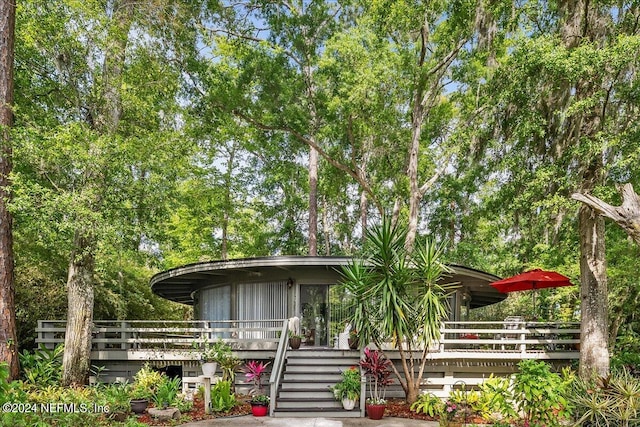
(594, 349)
(8, 334)
(313, 202)
(77, 343)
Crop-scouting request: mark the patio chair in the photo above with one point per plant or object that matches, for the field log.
(511, 323)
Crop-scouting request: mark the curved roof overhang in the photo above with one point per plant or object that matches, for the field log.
(179, 284)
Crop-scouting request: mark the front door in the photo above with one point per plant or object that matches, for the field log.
(314, 313)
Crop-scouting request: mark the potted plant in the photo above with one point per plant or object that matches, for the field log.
(212, 353)
(348, 388)
(259, 405)
(376, 369)
(259, 401)
(145, 382)
(295, 340)
(139, 398)
(353, 339)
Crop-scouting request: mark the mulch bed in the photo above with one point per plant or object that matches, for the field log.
(395, 408)
(197, 414)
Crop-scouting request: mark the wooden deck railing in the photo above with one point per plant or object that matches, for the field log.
(505, 339)
(525, 338)
(157, 335)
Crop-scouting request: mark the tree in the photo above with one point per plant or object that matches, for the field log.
(397, 296)
(8, 334)
(563, 108)
(99, 148)
(272, 78)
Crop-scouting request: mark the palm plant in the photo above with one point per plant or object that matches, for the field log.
(396, 296)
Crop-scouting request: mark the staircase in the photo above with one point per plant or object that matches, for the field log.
(308, 374)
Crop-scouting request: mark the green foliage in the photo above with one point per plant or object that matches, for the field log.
(166, 392)
(540, 394)
(43, 367)
(261, 399)
(349, 385)
(606, 401)
(117, 397)
(216, 352)
(393, 294)
(496, 398)
(222, 399)
(146, 382)
(535, 392)
(428, 403)
(4, 386)
(229, 364)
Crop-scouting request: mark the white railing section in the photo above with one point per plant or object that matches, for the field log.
(278, 366)
(509, 336)
(169, 335)
(159, 335)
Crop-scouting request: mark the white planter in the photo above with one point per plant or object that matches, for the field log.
(209, 369)
(348, 404)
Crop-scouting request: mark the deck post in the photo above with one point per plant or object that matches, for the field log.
(123, 335)
(207, 394)
(523, 346)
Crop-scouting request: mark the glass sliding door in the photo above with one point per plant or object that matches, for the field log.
(314, 311)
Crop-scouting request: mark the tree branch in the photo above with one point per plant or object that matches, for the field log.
(626, 215)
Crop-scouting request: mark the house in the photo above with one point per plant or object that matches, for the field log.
(288, 286)
(249, 303)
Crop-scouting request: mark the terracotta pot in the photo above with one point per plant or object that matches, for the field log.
(259, 410)
(375, 412)
(294, 342)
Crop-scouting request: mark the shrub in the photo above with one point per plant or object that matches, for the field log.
(43, 367)
(377, 369)
(496, 399)
(253, 373)
(614, 400)
(166, 392)
(349, 386)
(428, 403)
(222, 399)
(539, 394)
(116, 397)
(145, 382)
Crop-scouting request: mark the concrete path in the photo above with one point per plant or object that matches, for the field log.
(251, 421)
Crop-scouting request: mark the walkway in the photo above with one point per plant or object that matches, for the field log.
(251, 421)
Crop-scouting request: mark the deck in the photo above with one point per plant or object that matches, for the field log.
(474, 349)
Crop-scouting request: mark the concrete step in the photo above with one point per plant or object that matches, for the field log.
(316, 413)
(321, 393)
(307, 402)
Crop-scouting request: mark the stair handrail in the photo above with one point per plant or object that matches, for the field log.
(278, 365)
(363, 386)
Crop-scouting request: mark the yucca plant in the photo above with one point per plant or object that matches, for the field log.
(396, 295)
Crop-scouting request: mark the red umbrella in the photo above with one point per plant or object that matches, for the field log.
(532, 280)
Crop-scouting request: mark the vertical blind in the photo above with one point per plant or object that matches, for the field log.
(261, 301)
